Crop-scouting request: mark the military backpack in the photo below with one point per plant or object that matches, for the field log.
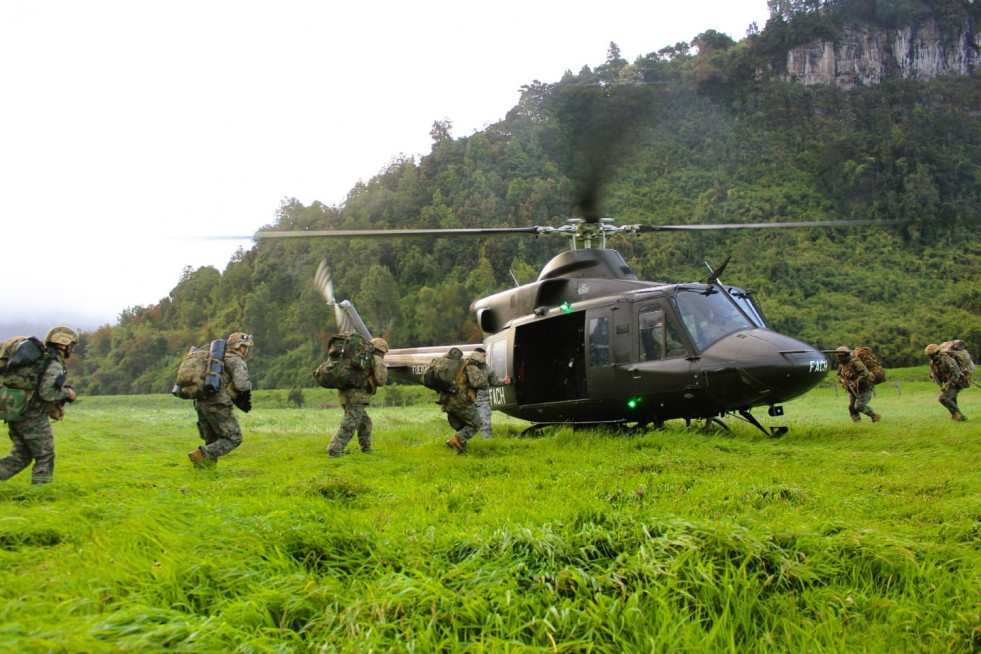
(446, 374)
(872, 362)
(349, 363)
(23, 360)
(200, 372)
(957, 350)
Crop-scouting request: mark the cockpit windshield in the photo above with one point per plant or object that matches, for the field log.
(708, 315)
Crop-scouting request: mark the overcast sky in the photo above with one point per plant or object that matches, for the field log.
(130, 127)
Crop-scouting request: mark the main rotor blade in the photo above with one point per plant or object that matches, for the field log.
(399, 233)
(643, 229)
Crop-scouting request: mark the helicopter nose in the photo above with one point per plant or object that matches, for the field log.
(783, 366)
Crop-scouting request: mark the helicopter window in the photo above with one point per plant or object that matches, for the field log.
(709, 315)
(658, 338)
(599, 342)
(746, 302)
(651, 329)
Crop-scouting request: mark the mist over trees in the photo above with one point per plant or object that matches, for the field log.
(695, 132)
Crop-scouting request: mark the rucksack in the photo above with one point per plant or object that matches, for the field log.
(958, 352)
(200, 372)
(22, 361)
(349, 363)
(447, 373)
(872, 362)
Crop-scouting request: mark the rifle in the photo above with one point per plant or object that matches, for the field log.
(849, 386)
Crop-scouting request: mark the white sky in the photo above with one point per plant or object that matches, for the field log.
(127, 126)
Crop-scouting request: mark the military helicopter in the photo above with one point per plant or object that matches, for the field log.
(588, 343)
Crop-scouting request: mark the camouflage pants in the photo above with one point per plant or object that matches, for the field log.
(484, 410)
(33, 440)
(465, 421)
(948, 397)
(219, 429)
(858, 402)
(355, 419)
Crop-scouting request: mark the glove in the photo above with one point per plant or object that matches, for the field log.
(244, 401)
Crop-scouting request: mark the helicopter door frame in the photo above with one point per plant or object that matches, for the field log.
(608, 346)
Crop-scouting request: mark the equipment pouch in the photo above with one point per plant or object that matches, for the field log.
(13, 403)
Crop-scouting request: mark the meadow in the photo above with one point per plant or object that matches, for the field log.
(836, 537)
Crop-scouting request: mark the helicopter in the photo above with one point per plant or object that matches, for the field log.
(590, 344)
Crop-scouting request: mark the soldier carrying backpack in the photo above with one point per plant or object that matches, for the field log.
(859, 370)
(357, 371)
(224, 383)
(951, 367)
(32, 392)
(457, 380)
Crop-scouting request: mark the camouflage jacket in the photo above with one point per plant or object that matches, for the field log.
(379, 377)
(856, 374)
(476, 380)
(234, 380)
(944, 369)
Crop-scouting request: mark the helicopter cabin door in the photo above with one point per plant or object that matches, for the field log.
(663, 358)
(608, 344)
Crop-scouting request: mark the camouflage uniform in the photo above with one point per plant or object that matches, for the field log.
(31, 435)
(216, 420)
(461, 412)
(859, 382)
(483, 400)
(947, 373)
(355, 402)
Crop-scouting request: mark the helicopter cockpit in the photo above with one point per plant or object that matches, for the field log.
(709, 314)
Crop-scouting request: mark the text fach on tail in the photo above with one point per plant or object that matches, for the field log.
(22, 362)
(872, 363)
(200, 372)
(349, 363)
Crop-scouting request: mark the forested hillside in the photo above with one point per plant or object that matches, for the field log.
(696, 132)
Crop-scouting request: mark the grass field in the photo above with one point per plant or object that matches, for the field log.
(836, 537)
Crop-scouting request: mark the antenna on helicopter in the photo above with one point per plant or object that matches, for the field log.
(714, 274)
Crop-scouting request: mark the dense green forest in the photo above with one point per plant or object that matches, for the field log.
(696, 132)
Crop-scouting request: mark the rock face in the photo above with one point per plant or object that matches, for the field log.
(869, 56)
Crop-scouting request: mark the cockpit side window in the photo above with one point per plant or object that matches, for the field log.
(658, 337)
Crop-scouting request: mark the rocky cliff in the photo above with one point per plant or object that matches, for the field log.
(868, 56)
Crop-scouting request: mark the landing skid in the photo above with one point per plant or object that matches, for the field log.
(773, 432)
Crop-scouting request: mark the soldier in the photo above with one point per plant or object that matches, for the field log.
(216, 420)
(945, 371)
(355, 402)
(483, 395)
(859, 382)
(31, 435)
(461, 412)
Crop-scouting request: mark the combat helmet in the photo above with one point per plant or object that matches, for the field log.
(236, 339)
(379, 344)
(931, 349)
(844, 352)
(478, 356)
(61, 336)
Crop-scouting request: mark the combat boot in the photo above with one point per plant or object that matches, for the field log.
(856, 417)
(876, 417)
(958, 416)
(455, 444)
(199, 459)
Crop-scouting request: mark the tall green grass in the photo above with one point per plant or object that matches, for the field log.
(836, 537)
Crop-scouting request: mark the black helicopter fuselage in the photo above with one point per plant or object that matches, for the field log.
(590, 343)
